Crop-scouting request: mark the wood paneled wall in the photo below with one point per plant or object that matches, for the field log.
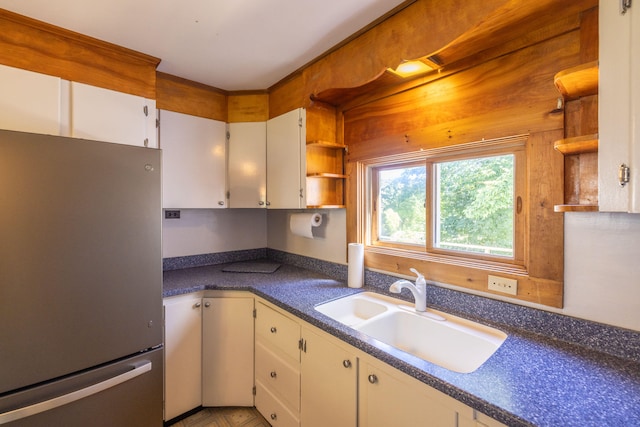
(450, 29)
(248, 107)
(188, 97)
(506, 89)
(37, 46)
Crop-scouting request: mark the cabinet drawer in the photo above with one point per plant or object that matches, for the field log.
(273, 409)
(279, 376)
(278, 330)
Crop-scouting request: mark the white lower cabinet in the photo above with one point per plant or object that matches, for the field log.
(329, 380)
(182, 355)
(306, 377)
(303, 377)
(209, 356)
(388, 397)
(227, 351)
(277, 366)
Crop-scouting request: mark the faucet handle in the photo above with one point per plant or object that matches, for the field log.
(416, 272)
(420, 280)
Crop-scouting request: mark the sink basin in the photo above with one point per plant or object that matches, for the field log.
(353, 310)
(448, 341)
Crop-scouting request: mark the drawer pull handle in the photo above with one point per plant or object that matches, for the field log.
(274, 416)
(273, 374)
(346, 363)
(372, 378)
(273, 330)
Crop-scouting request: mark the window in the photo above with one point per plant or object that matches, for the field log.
(400, 204)
(474, 205)
(455, 204)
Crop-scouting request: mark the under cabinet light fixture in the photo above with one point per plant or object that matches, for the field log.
(413, 67)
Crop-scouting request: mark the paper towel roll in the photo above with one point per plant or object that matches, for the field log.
(355, 274)
(302, 223)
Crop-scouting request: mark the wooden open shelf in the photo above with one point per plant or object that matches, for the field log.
(325, 191)
(579, 81)
(578, 144)
(575, 208)
(325, 174)
(325, 144)
(579, 89)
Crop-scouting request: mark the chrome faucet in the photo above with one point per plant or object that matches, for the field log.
(419, 290)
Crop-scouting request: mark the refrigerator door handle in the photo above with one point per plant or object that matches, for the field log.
(65, 399)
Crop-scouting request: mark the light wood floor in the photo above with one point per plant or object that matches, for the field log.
(224, 417)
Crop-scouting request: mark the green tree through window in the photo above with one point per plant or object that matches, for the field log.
(475, 209)
(402, 204)
(473, 212)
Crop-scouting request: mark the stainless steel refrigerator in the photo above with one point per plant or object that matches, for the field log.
(80, 283)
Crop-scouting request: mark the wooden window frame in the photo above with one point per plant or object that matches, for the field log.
(367, 181)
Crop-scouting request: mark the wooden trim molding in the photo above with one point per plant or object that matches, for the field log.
(37, 46)
(189, 97)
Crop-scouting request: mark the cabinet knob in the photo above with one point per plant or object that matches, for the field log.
(268, 203)
(346, 363)
(221, 203)
(260, 203)
(207, 304)
(197, 305)
(273, 374)
(274, 416)
(273, 330)
(372, 378)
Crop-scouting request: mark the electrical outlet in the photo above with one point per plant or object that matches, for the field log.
(504, 285)
(171, 214)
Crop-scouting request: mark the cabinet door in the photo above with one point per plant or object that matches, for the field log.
(329, 379)
(286, 163)
(619, 107)
(193, 161)
(30, 102)
(183, 355)
(390, 398)
(247, 165)
(227, 352)
(107, 115)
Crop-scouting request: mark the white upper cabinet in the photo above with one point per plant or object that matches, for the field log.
(107, 115)
(286, 160)
(30, 102)
(619, 107)
(247, 167)
(193, 161)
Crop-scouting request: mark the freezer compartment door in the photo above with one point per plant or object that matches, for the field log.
(126, 393)
(80, 255)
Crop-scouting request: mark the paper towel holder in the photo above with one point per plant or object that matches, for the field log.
(307, 224)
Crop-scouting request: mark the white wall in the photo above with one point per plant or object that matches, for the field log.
(329, 242)
(203, 231)
(602, 252)
(602, 268)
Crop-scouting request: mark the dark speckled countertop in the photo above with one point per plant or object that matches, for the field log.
(532, 379)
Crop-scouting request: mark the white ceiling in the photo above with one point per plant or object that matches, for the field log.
(228, 44)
